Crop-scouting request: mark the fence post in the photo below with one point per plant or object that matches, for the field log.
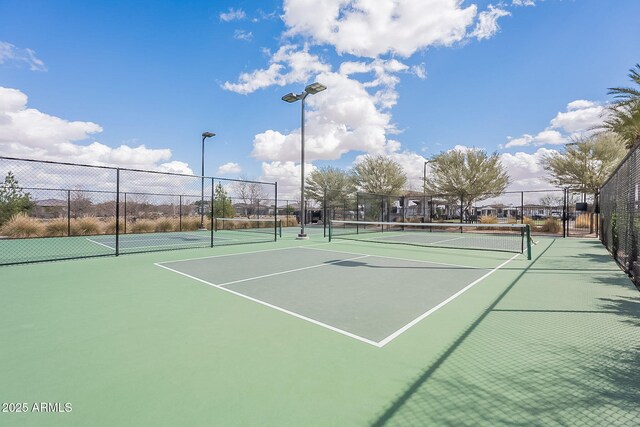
(275, 214)
(522, 207)
(211, 209)
(125, 214)
(180, 215)
(118, 211)
(565, 214)
(461, 208)
(68, 212)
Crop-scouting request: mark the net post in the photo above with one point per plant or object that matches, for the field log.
(275, 215)
(522, 207)
(528, 237)
(357, 213)
(324, 213)
(330, 228)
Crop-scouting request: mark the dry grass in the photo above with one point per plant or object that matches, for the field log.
(191, 223)
(57, 227)
(288, 221)
(583, 221)
(86, 226)
(551, 225)
(488, 219)
(166, 224)
(22, 226)
(109, 226)
(142, 226)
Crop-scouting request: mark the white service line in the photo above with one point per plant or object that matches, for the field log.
(399, 259)
(442, 304)
(275, 307)
(101, 244)
(293, 270)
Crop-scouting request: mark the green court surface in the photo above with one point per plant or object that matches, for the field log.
(344, 333)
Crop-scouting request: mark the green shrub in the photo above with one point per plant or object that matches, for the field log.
(21, 226)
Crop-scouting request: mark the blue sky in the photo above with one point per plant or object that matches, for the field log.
(135, 83)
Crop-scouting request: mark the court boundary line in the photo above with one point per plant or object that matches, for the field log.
(324, 264)
(275, 307)
(402, 259)
(432, 310)
(226, 239)
(378, 344)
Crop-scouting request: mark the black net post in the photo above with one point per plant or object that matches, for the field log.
(125, 213)
(275, 214)
(211, 211)
(565, 228)
(324, 213)
(522, 207)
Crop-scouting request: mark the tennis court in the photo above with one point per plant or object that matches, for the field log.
(347, 332)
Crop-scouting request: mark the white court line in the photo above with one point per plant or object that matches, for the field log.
(442, 304)
(293, 270)
(400, 259)
(275, 307)
(101, 244)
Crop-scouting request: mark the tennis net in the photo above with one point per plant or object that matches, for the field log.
(494, 237)
(268, 226)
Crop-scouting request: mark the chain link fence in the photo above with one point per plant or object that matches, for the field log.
(54, 211)
(553, 212)
(620, 213)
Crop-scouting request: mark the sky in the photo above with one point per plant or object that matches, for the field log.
(135, 83)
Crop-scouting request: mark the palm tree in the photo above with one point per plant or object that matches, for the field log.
(624, 112)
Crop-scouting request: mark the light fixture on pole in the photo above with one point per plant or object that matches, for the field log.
(311, 89)
(205, 135)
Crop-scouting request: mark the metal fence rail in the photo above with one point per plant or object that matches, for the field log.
(620, 213)
(53, 211)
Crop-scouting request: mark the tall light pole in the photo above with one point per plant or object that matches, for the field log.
(205, 135)
(424, 190)
(311, 89)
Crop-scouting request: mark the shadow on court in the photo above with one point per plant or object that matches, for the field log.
(524, 362)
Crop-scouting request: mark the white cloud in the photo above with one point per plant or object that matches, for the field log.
(419, 70)
(525, 170)
(243, 35)
(10, 54)
(371, 28)
(581, 116)
(523, 3)
(233, 15)
(487, 25)
(287, 175)
(229, 168)
(288, 65)
(580, 119)
(27, 132)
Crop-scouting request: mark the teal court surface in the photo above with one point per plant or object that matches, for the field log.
(348, 333)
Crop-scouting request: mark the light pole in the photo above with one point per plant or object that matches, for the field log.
(424, 191)
(205, 135)
(311, 89)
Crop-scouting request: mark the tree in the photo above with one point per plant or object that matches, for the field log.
(624, 112)
(379, 175)
(586, 163)
(335, 182)
(251, 194)
(13, 199)
(222, 207)
(472, 175)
